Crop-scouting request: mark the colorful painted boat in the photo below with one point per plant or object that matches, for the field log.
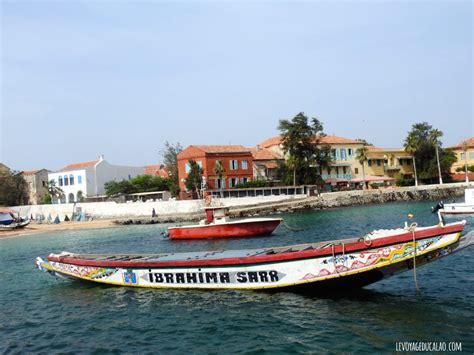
(217, 225)
(466, 207)
(311, 267)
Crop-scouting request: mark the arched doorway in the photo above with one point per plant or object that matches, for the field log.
(70, 198)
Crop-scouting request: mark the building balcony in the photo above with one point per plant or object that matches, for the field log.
(336, 176)
(392, 167)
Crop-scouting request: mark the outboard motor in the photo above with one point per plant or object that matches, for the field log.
(439, 206)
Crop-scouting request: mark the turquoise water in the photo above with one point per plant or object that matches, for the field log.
(42, 314)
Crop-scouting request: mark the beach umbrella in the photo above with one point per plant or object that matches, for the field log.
(56, 220)
(66, 219)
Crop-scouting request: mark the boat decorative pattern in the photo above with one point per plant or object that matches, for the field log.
(350, 262)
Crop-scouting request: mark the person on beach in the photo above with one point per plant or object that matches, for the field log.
(153, 213)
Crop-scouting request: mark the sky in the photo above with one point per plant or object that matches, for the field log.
(84, 78)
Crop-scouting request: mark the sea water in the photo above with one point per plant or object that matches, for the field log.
(40, 313)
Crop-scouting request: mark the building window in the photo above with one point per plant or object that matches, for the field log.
(65, 180)
(245, 180)
(60, 180)
(356, 171)
(471, 155)
(349, 152)
(245, 165)
(333, 154)
(233, 182)
(79, 179)
(71, 179)
(220, 183)
(379, 162)
(199, 162)
(187, 168)
(343, 154)
(462, 156)
(44, 183)
(234, 164)
(369, 162)
(129, 177)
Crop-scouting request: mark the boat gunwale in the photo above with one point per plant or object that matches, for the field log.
(333, 247)
(232, 223)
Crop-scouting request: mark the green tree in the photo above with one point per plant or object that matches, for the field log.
(113, 188)
(170, 160)
(435, 135)
(361, 156)
(411, 146)
(54, 192)
(432, 161)
(193, 181)
(219, 171)
(13, 188)
(300, 141)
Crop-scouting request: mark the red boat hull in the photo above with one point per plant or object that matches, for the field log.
(228, 230)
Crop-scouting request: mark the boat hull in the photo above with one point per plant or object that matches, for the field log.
(316, 274)
(225, 230)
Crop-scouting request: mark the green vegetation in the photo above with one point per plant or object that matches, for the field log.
(13, 188)
(140, 183)
(361, 156)
(251, 184)
(461, 169)
(170, 160)
(430, 159)
(193, 181)
(300, 141)
(405, 182)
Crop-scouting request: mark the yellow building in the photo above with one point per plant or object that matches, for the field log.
(463, 156)
(393, 163)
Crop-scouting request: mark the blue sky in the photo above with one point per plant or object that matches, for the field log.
(119, 78)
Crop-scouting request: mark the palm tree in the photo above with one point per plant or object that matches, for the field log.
(53, 190)
(435, 134)
(464, 146)
(219, 171)
(411, 147)
(361, 156)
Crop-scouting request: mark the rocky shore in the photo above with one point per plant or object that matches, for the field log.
(324, 201)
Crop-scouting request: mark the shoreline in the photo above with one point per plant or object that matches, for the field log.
(35, 228)
(321, 202)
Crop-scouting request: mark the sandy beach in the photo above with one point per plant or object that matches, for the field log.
(35, 228)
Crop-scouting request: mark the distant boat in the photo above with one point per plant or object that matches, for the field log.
(218, 225)
(466, 207)
(315, 267)
(8, 221)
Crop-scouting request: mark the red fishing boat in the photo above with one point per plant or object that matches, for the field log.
(218, 225)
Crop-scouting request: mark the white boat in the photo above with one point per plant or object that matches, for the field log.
(466, 207)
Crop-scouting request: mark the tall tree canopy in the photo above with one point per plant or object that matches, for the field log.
(300, 141)
(170, 153)
(423, 141)
(13, 188)
(194, 179)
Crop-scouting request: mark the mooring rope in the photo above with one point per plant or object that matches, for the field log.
(412, 229)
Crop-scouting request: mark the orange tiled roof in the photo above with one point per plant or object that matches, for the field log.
(29, 173)
(222, 148)
(328, 139)
(469, 141)
(78, 166)
(259, 153)
(333, 139)
(156, 170)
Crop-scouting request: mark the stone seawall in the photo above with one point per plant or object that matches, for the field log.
(356, 198)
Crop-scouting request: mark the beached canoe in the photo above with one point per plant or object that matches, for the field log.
(320, 266)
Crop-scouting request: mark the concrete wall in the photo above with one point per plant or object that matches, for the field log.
(141, 209)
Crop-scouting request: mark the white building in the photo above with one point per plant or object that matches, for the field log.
(88, 179)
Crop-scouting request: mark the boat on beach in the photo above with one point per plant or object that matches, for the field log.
(8, 221)
(466, 207)
(218, 225)
(313, 267)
